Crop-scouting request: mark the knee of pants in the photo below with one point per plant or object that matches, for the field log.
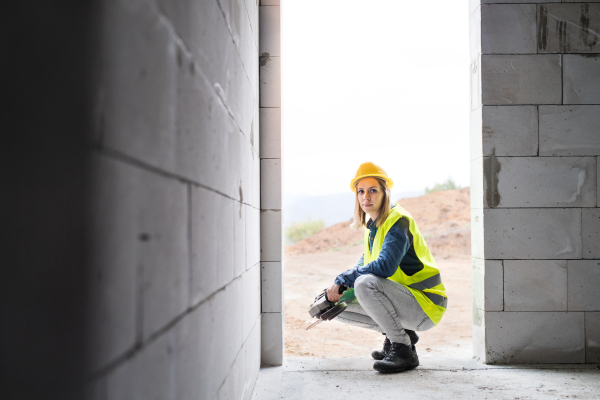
(364, 284)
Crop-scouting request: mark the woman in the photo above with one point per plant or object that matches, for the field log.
(396, 282)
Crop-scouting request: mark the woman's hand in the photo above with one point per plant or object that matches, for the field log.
(333, 293)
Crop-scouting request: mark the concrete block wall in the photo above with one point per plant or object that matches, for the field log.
(271, 214)
(535, 147)
(176, 263)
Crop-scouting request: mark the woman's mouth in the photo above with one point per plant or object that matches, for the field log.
(367, 205)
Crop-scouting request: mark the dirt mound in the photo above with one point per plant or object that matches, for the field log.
(443, 218)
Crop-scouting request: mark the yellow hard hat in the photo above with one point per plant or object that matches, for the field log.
(369, 169)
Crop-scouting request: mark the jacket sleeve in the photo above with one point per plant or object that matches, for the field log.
(395, 245)
(348, 277)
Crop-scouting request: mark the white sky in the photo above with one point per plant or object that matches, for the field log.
(385, 81)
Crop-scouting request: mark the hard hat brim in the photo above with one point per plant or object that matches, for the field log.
(388, 180)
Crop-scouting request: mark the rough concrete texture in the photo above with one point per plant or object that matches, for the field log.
(177, 230)
(532, 233)
(272, 286)
(270, 133)
(584, 278)
(540, 182)
(271, 197)
(510, 130)
(521, 79)
(272, 341)
(508, 29)
(569, 130)
(271, 244)
(592, 337)
(448, 378)
(488, 283)
(546, 337)
(590, 221)
(568, 28)
(535, 285)
(581, 79)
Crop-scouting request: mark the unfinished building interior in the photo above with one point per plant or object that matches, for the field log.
(144, 193)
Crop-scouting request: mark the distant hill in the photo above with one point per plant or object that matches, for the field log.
(443, 218)
(331, 208)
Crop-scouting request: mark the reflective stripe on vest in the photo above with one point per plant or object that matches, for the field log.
(426, 285)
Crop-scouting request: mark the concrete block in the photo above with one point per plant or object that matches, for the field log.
(251, 294)
(532, 233)
(477, 233)
(252, 236)
(584, 280)
(476, 133)
(239, 239)
(199, 371)
(162, 214)
(541, 181)
(487, 276)
(204, 30)
(234, 385)
(569, 130)
(272, 286)
(590, 230)
(521, 79)
(206, 134)
(527, 337)
(510, 130)
(598, 178)
(535, 285)
(270, 2)
(272, 339)
(477, 183)
(270, 194)
(270, 32)
(271, 233)
(253, 355)
(592, 337)
(270, 133)
(474, 30)
(255, 200)
(148, 375)
(212, 231)
(508, 29)
(113, 278)
(475, 83)
(478, 331)
(568, 28)
(139, 83)
(581, 79)
(270, 81)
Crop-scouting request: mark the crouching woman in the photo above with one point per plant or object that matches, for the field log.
(396, 282)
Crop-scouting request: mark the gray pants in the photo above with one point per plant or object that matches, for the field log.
(385, 306)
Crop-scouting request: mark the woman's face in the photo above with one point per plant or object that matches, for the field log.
(370, 196)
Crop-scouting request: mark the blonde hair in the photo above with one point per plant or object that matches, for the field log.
(360, 217)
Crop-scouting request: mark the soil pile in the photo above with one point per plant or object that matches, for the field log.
(443, 218)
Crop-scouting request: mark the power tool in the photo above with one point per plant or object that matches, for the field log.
(324, 310)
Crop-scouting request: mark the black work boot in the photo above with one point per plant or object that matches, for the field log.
(380, 354)
(399, 358)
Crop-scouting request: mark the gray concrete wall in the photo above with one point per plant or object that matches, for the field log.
(175, 282)
(535, 133)
(271, 215)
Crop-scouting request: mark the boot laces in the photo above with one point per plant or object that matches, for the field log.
(398, 350)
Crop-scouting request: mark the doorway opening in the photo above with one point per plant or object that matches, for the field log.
(377, 84)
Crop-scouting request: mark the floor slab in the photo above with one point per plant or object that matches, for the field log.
(437, 377)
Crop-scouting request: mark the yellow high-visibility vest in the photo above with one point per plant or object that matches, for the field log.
(426, 285)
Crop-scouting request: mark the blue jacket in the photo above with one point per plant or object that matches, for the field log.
(397, 250)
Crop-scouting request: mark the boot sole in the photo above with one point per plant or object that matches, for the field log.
(394, 370)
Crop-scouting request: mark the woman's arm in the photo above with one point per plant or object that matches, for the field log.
(395, 245)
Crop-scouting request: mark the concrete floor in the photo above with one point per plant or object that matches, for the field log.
(436, 378)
